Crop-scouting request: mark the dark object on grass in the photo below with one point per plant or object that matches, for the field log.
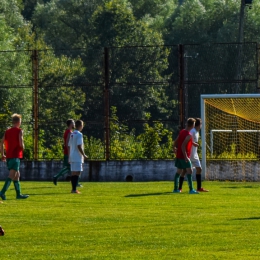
(129, 178)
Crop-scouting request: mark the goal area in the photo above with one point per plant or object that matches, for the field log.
(230, 137)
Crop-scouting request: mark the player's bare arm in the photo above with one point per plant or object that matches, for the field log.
(21, 142)
(2, 148)
(183, 147)
(195, 144)
(68, 154)
(82, 152)
(67, 141)
(175, 144)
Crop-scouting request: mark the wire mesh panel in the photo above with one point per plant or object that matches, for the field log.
(16, 91)
(128, 97)
(218, 69)
(16, 83)
(221, 62)
(70, 86)
(143, 100)
(88, 63)
(94, 142)
(137, 102)
(16, 69)
(193, 92)
(143, 65)
(141, 140)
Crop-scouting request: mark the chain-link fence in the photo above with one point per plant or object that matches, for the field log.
(218, 69)
(133, 100)
(143, 85)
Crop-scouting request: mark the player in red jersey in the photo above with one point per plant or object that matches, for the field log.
(182, 162)
(14, 146)
(194, 157)
(66, 138)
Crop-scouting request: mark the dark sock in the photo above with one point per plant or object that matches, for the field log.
(17, 187)
(181, 182)
(62, 172)
(189, 177)
(6, 185)
(78, 180)
(74, 181)
(176, 181)
(198, 178)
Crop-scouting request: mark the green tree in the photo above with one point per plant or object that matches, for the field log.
(59, 99)
(15, 81)
(152, 8)
(65, 24)
(203, 21)
(28, 7)
(112, 23)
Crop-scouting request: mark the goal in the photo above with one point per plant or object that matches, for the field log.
(231, 137)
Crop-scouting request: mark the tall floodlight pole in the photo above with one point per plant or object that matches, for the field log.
(240, 42)
(240, 39)
(241, 21)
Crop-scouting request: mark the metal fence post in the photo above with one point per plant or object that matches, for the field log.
(35, 70)
(181, 86)
(106, 104)
(257, 65)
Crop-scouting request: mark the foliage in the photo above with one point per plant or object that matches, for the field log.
(65, 24)
(94, 148)
(59, 99)
(232, 153)
(15, 89)
(154, 143)
(122, 144)
(151, 141)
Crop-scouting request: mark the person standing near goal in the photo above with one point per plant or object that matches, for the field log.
(14, 146)
(183, 162)
(194, 157)
(66, 137)
(76, 154)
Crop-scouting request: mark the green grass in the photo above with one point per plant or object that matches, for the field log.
(131, 221)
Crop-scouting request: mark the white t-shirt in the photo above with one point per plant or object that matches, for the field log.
(194, 150)
(76, 138)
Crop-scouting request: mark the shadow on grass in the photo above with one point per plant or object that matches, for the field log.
(40, 188)
(241, 187)
(48, 194)
(252, 218)
(147, 194)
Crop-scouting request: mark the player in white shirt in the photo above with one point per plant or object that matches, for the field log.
(76, 154)
(194, 157)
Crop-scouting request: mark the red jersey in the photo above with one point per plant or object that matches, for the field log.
(12, 144)
(65, 136)
(182, 136)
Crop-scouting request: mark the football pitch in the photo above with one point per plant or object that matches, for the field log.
(142, 220)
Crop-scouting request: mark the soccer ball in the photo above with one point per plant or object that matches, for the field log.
(2, 232)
